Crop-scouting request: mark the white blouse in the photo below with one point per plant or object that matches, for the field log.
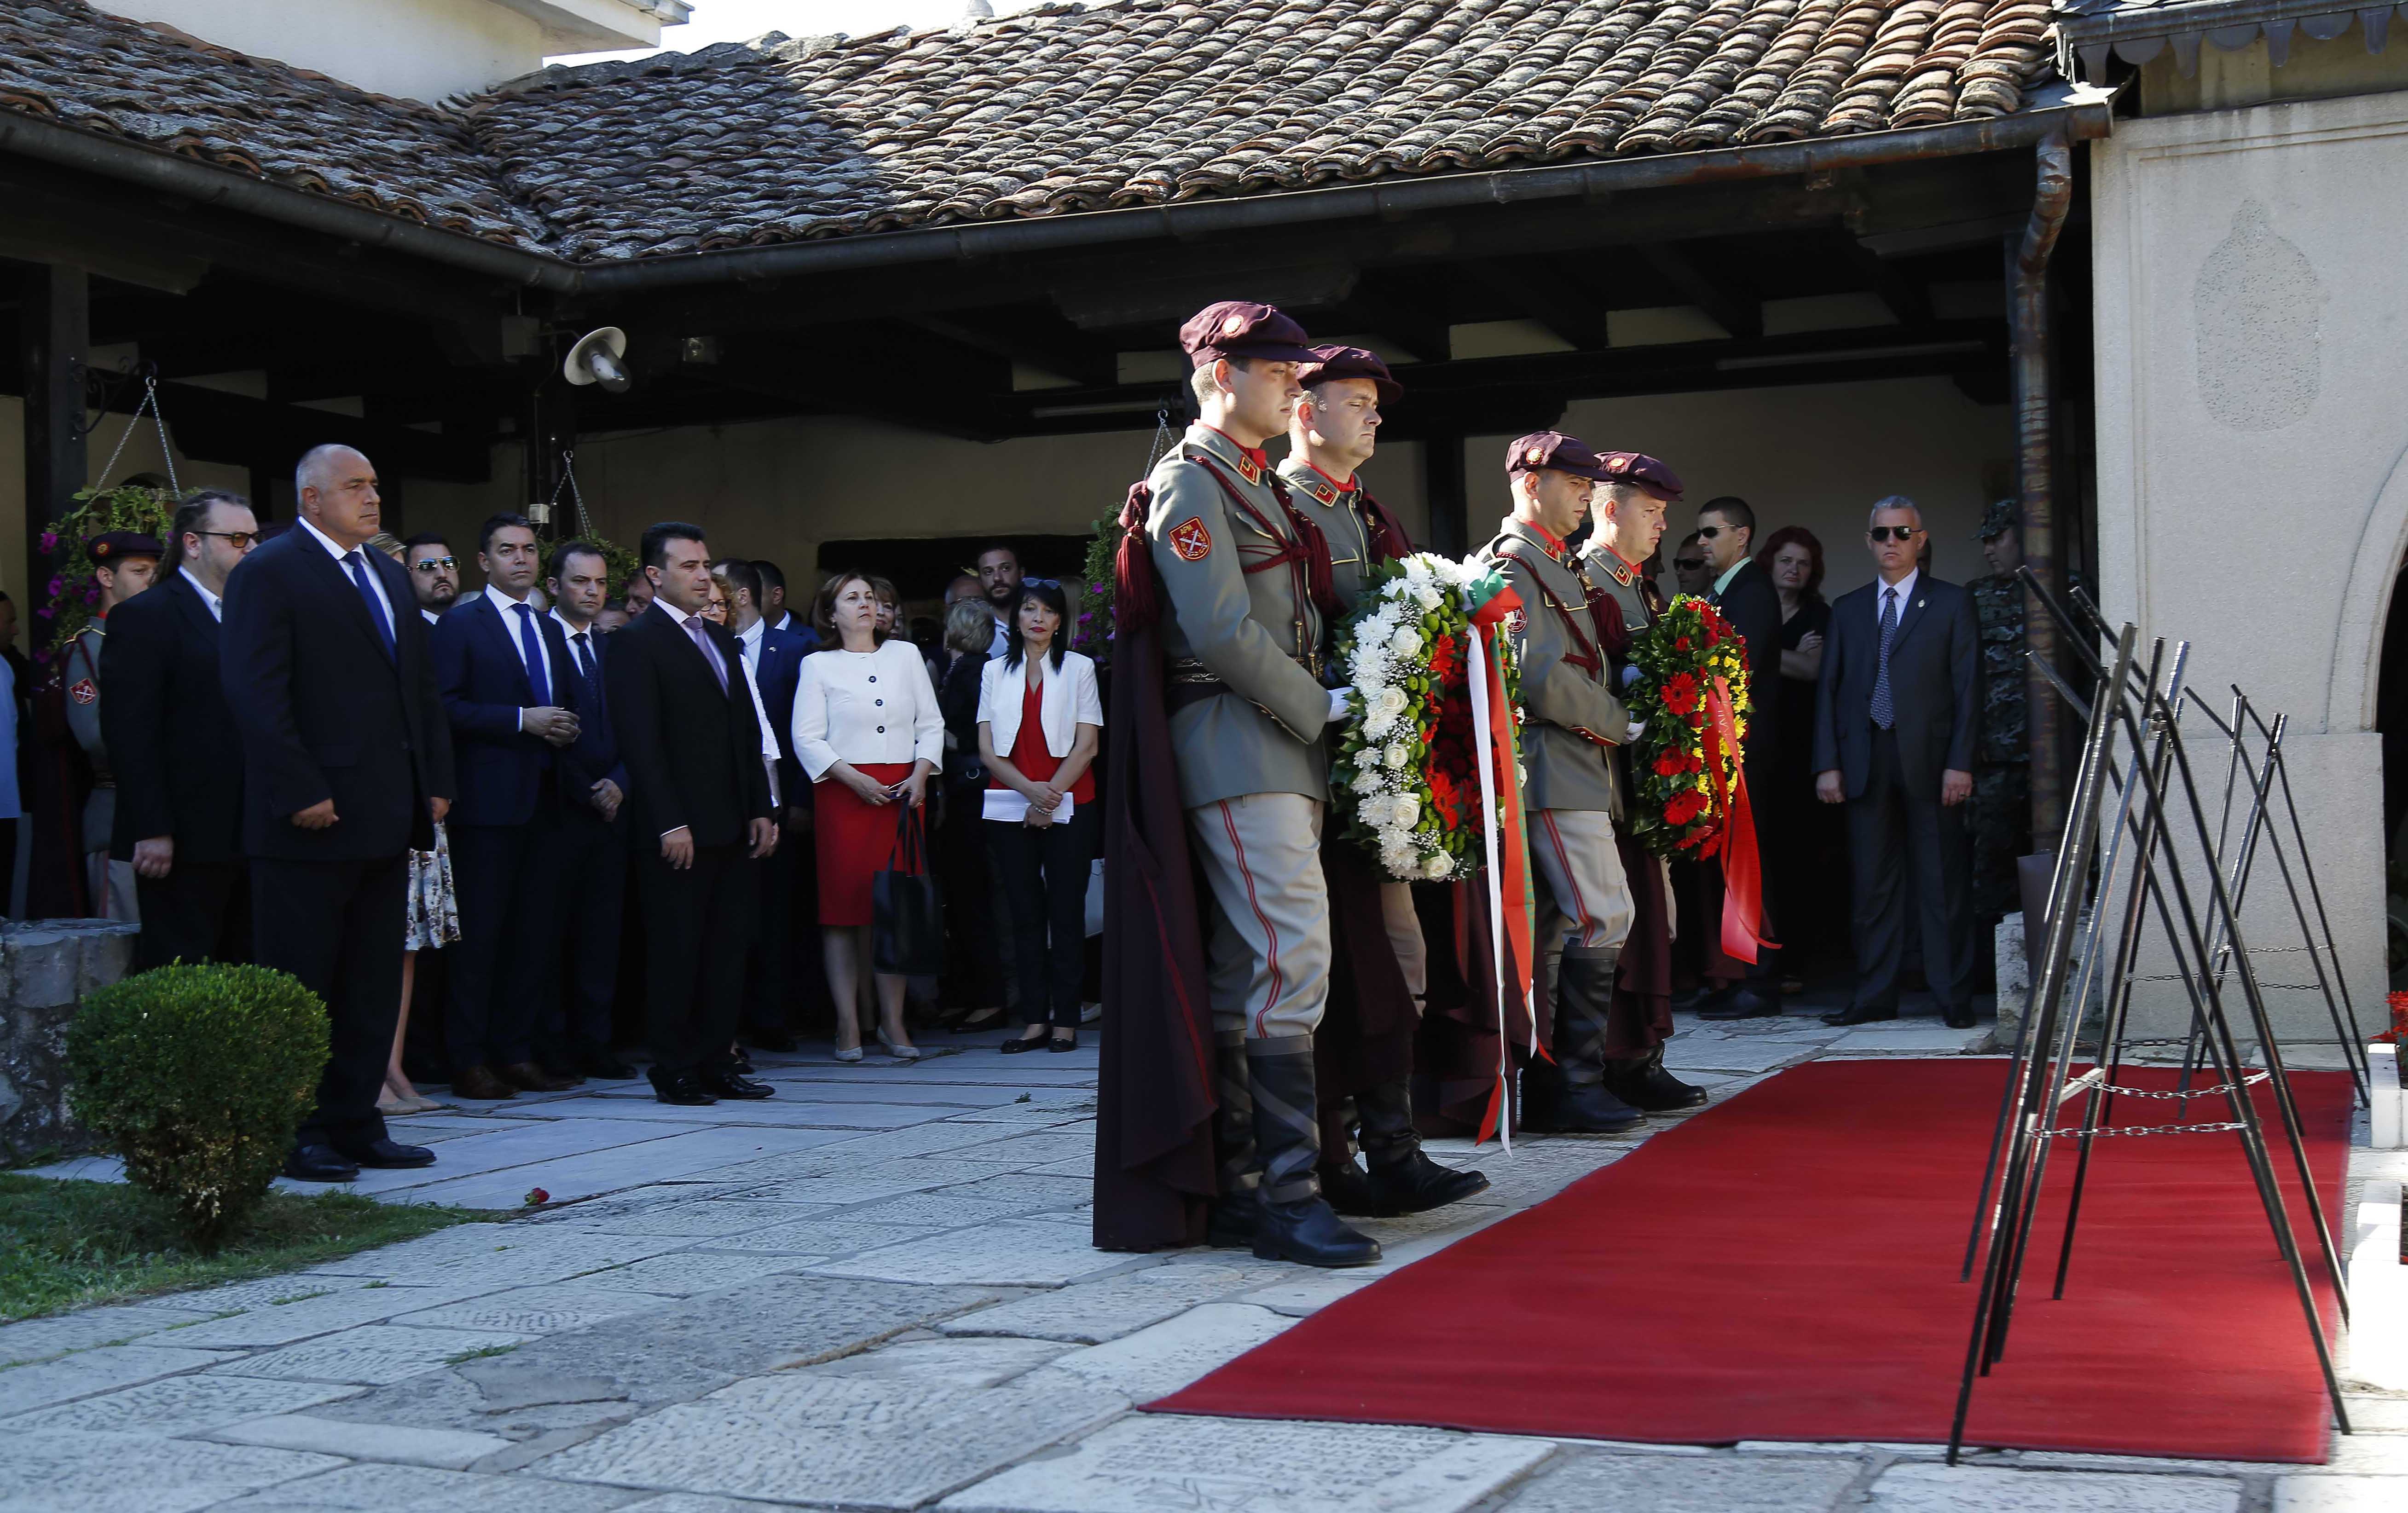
(1068, 700)
(867, 708)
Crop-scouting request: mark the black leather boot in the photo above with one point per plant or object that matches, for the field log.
(1292, 1222)
(1644, 1085)
(1403, 1179)
(1231, 1223)
(1342, 1176)
(1583, 1104)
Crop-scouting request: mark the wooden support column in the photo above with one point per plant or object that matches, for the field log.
(58, 340)
(1450, 524)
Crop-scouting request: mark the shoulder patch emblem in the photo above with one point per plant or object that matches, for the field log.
(1191, 540)
(84, 691)
(1516, 623)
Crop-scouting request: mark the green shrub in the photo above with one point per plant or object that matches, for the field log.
(199, 1076)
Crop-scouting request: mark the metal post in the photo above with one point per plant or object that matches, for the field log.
(57, 323)
(2035, 458)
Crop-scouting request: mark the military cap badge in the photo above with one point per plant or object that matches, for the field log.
(1234, 324)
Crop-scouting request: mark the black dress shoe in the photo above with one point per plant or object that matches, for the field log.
(723, 1082)
(529, 1076)
(1738, 1002)
(683, 1089)
(1017, 1044)
(1307, 1232)
(386, 1155)
(1644, 1085)
(604, 1067)
(1958, 1018)
(318, 1164)
(480, 1083)
(1415, 1184)
(1860, 1014)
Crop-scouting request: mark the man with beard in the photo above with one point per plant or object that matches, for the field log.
(1366, 1068)
(433, 574)
(1627, 514)
(998, 577)
(1223, 587)
(1573, 720)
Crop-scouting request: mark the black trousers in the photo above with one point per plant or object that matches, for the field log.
(583, 884)
(504, 876)
(769, 966)
(1886, 825)
(200, 911)
(337, 927)
(697, 925)
(1046, 879)
(973, 963)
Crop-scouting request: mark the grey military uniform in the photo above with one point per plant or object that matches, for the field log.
(1602, 570)
(80, 675)
(1243, 654)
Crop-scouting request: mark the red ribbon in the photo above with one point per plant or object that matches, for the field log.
(1513, 841)
(1742, 924)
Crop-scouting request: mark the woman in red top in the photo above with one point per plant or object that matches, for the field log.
(1040, 719)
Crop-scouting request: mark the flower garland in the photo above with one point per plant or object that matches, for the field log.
(1403, 778)
(73, 590)
(1681, 805)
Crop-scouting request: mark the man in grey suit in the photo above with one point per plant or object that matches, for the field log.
(1896, 710)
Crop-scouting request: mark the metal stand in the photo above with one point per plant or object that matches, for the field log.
(2136, 839)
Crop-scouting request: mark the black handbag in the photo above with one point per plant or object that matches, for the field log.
(908, 928)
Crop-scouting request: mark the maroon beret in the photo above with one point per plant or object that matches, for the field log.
(1553, 448)
(1647, 473)
(116, 546)
(1242, 328)
(1350, 362)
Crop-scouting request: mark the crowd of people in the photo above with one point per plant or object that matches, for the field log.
(511, 832)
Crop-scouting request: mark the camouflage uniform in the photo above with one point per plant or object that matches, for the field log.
(2000, 818)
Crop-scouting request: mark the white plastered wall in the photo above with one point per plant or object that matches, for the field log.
(2252, 339)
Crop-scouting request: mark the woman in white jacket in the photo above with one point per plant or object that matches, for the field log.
(1040, 722)
(867, 732)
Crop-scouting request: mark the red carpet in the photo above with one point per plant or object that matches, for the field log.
(1783, 1267)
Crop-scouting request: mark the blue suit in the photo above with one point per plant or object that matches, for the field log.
(507, 829)
(780, 668)
(590, 884)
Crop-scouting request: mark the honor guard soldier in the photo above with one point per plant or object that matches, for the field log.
(1242, 635)
(1999, 816)
(1334, 431)
(123, 562)
(1627, 509)
(1574, 719)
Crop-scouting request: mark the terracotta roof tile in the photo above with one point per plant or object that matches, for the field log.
(1066, 108)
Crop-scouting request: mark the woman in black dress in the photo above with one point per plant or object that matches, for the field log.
(1808, 867)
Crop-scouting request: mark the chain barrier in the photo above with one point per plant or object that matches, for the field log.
(150, 405)
(2077, 1132)
(567, 479)
(2249, 1081)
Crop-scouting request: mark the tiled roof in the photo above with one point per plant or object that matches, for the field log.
(1068, 109)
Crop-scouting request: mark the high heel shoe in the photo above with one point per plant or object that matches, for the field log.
(901, 1053)
(847, 1056)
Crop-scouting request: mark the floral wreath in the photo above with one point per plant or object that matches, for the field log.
(1403, 778)
(1683, 766)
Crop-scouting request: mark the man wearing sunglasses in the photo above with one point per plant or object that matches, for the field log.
(178, 760)
(1745, 593)
(433, 574)
(1895, 713)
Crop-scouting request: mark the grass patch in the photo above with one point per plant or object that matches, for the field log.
(64, 1245)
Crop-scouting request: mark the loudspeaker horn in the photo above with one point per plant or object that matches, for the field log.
(594, 359)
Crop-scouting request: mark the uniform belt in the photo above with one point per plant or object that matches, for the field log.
(1188, 681)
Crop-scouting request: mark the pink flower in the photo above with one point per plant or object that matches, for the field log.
(50, 542)
(57, 585)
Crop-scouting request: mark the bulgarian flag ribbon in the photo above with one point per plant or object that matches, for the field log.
(1742, 923)
(1510, 926)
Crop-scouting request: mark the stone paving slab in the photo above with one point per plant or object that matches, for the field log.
(882, 1179)
(520, 1256)
(292, 1322)
(408, 1489)
(856, 1442)
(801, 1110)
(2341, 1494)
(610, 1169)
(503, 1144)
(373, 1355)
(1018, 1253)
(1587, 1483)
(1158, 1360)
(548, 1309)
(93, 1372)
(1150, 1462)
(446, 1449)
(700, 1219)
(691, 1273)
(1944, 1488)
(947, 1362)
(236, 1297)
(814, 1239)
(946, 1209)
(179, 1405)
(1093, 1312)
(56, 1471)
(39, 1339)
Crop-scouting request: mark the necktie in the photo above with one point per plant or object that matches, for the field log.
(1883, 716)
(359, 569)
(585, 658)
(531, 647)
(700, 629)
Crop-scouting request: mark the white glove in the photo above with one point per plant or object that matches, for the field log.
(1629, 674)
(1340, 702)
(1637, 728)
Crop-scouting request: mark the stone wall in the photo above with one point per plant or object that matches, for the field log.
(46, 968)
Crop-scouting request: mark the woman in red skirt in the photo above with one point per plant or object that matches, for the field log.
(868, 731)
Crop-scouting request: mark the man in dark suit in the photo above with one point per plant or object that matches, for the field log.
(692, 745)
(178, 760)
(1897, 711)
(588, 885)
(1745, 593)
(776, 659)
(511, 699)
(347, 766)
